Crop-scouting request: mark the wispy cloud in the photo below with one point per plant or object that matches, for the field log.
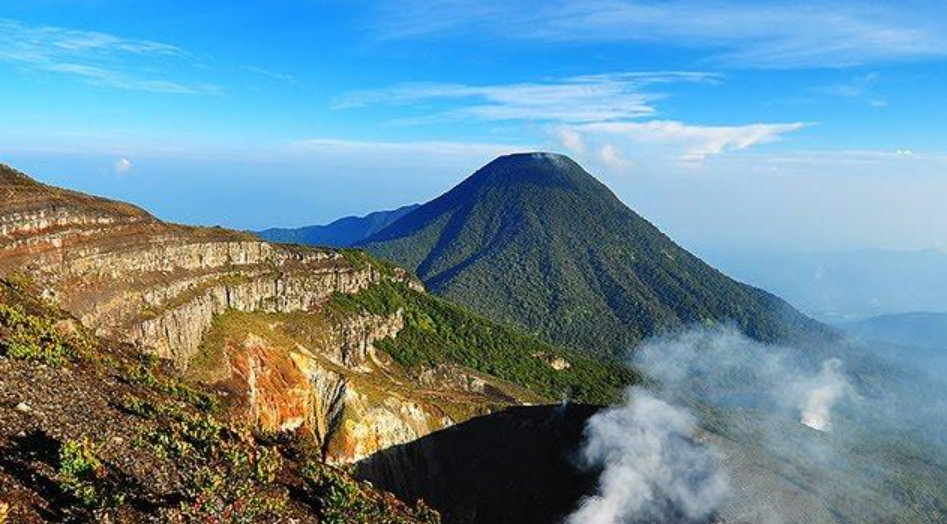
(858, 87)
(592, 114)
(96, 58)
(773, 34)
(690, 143)
(592, 98)
(274, 75)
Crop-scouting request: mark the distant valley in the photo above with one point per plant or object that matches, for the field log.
(917, 340)
(844, 287)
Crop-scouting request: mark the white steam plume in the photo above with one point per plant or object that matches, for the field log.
(651, 468)
(822, 393)
(653, 471)
(723, 368)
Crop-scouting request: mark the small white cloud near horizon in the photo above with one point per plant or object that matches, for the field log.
(570, 139)
(122, 166)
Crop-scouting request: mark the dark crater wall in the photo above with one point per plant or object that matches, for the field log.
(513, 467)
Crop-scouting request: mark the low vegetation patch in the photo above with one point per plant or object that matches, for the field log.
(342, 500)
(360, 260)
(82, 474)
(232, 478)
(141, 373)
(227, 479)
(234, 485)
(25, 336)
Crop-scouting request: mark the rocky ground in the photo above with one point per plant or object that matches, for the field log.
(91, 431)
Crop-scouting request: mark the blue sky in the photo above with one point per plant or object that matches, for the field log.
(774, 126)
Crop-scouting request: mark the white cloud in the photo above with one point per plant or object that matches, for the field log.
(122, 166)
(688, 143)
(591, 113)
(649, 462)
(774, 34)
(120, 80)
(591, 98)
(570, 139)
(858, 86)
(612, 157)
(96, 58)
(274, 75)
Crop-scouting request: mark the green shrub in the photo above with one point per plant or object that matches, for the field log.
(29, 337)
(342, 500)
(237, 488)
(184, 434)
(185, 393)
(144, 408)
(141, 373)
(83, 475)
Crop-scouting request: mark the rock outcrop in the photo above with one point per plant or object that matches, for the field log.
(324, 376)
(135, 278)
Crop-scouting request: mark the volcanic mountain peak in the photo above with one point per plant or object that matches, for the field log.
(535, 240)
(531, 171)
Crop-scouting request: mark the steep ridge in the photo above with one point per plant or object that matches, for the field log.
(165, 288)
(344, 232)
(535, 240)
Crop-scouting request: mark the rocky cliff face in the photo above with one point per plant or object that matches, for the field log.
(322, 374)
(161, 286)
(136, 278)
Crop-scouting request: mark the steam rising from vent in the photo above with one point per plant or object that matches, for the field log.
(553, 158)
(652, 469)
(723, 368)
(823, 392)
